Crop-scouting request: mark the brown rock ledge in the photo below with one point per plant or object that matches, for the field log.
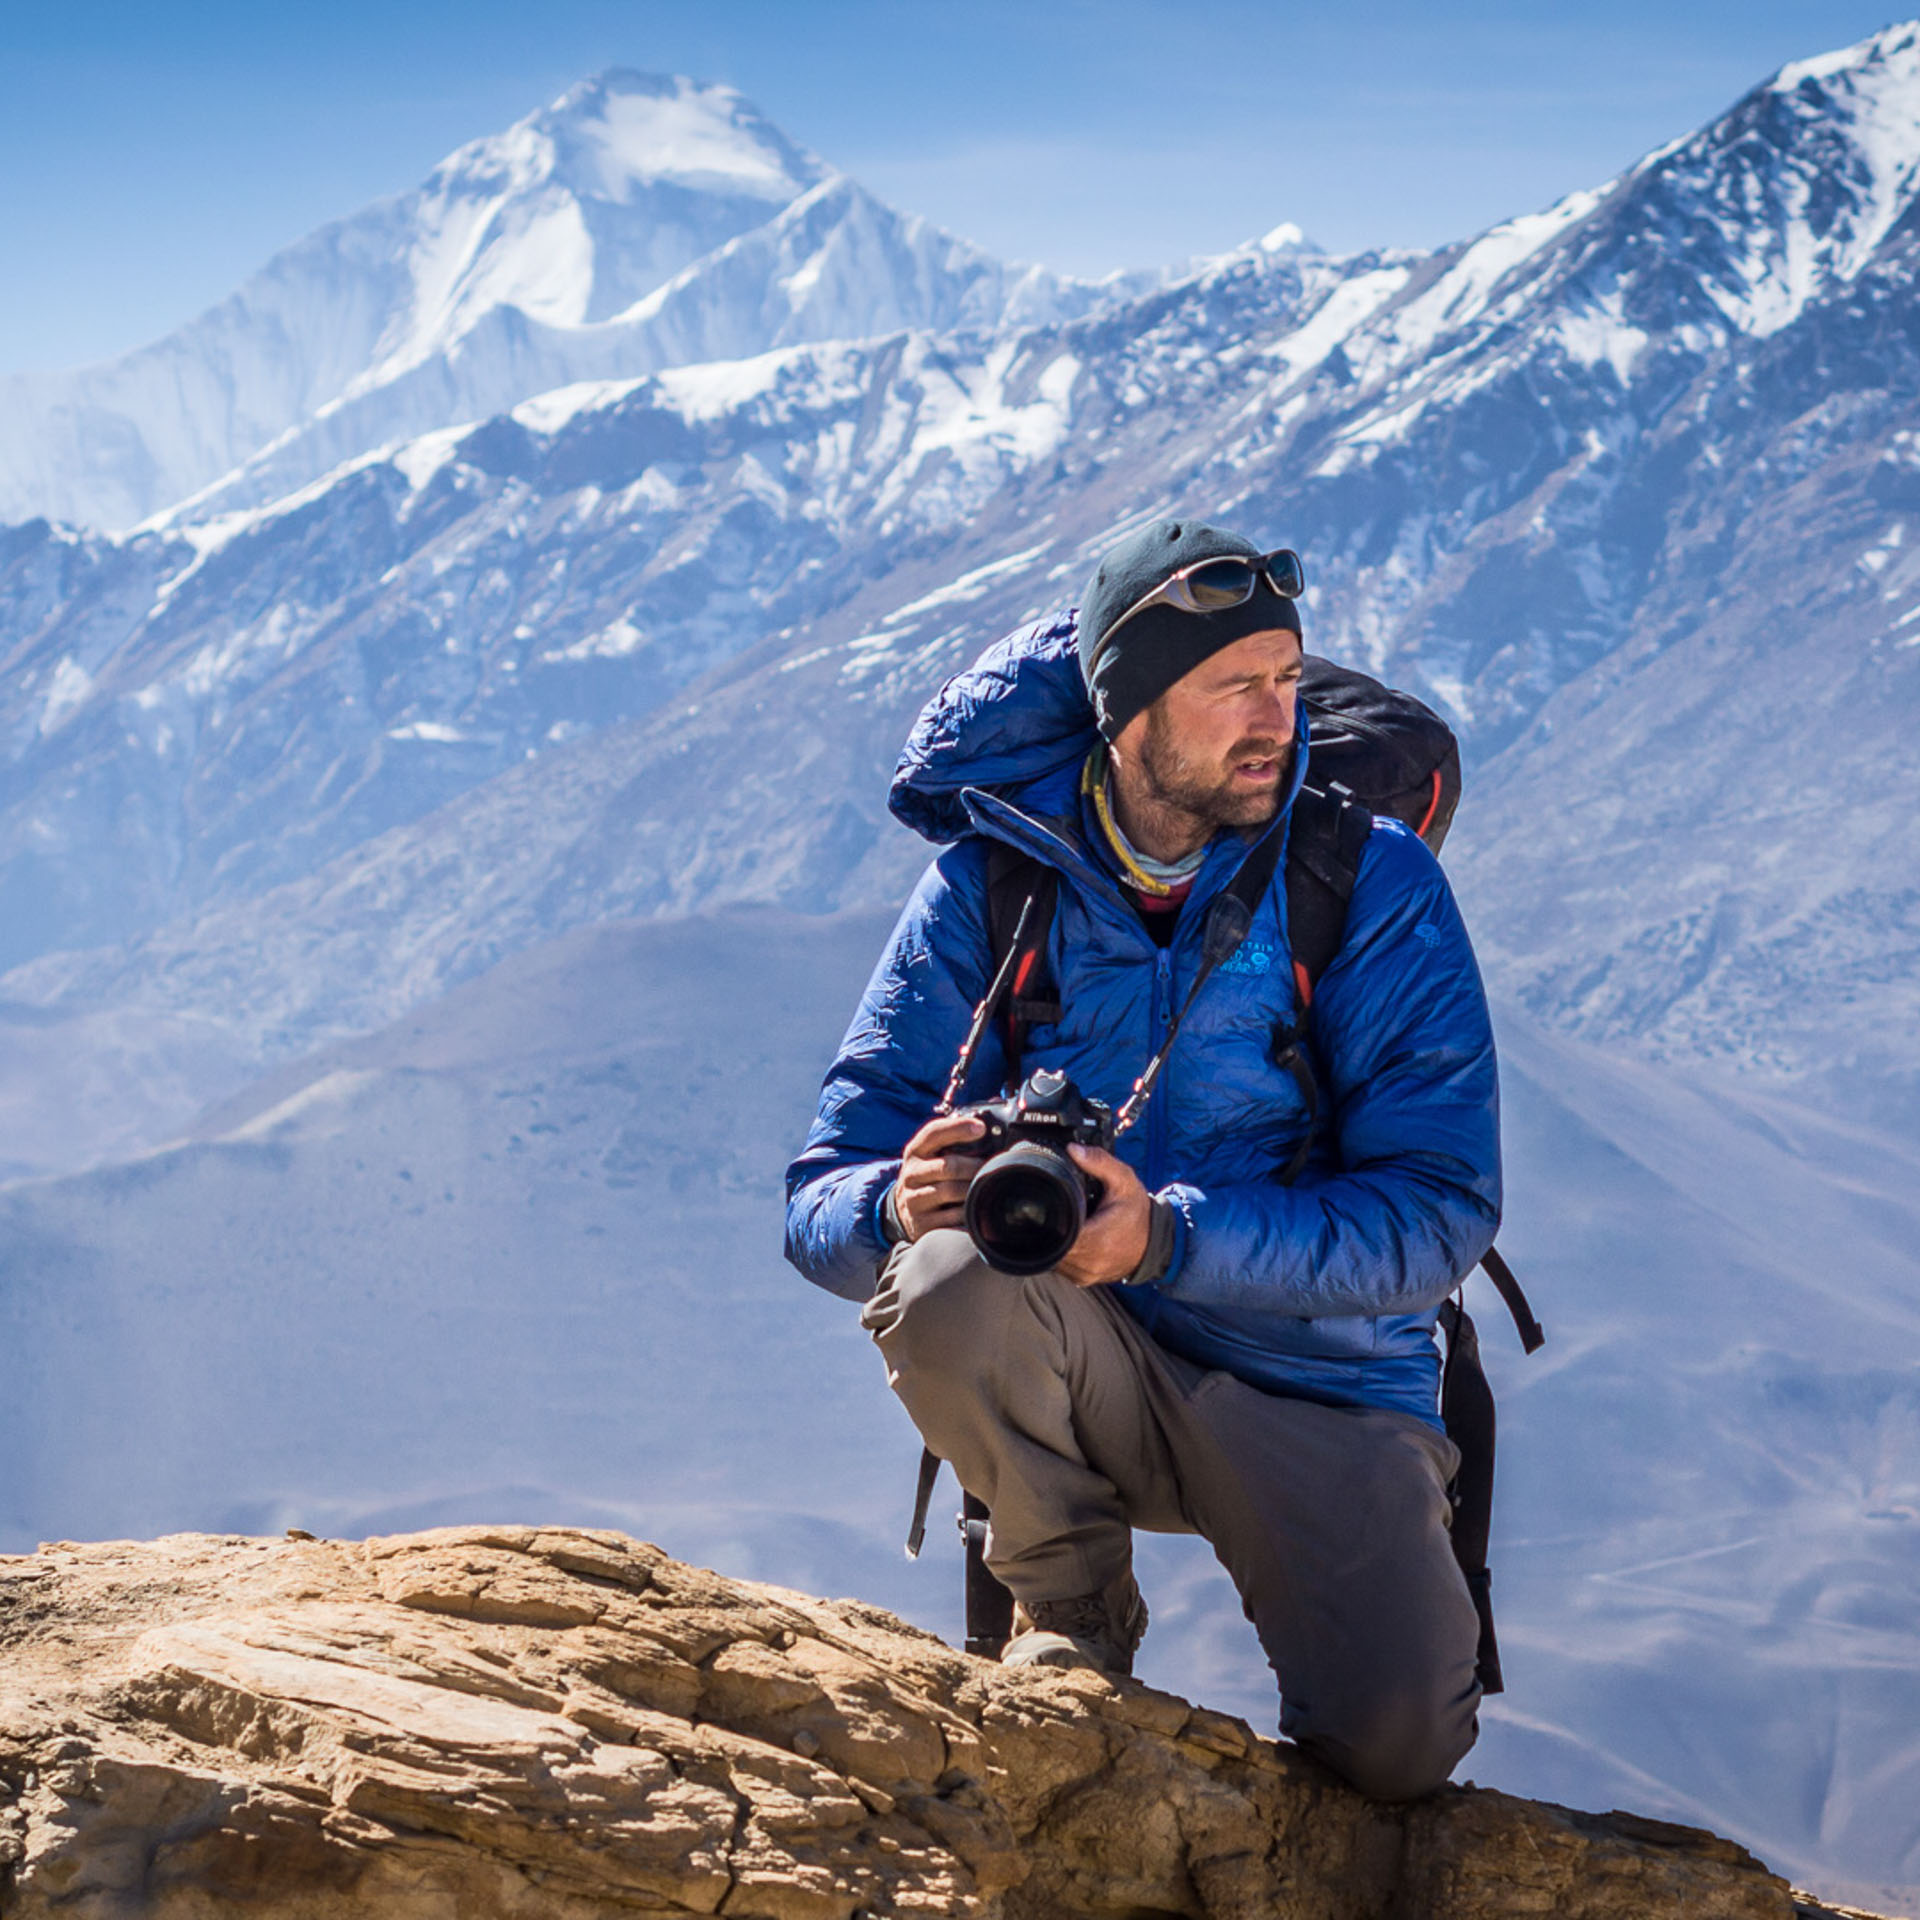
(551, 1724)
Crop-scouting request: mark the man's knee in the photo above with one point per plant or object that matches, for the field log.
(1392, 1746)
(935, 1299)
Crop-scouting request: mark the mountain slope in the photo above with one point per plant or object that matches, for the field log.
(520, 1254)
(298, 680)
(1614, 460)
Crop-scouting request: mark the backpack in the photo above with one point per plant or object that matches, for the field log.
(1374, 751)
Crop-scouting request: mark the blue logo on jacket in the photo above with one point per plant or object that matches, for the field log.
(1251, 956)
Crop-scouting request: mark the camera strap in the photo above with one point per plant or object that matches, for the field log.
(1229, 920)
(983, 1013)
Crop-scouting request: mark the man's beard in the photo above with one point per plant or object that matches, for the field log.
(1207, 794)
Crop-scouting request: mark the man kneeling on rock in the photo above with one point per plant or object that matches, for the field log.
(1220, 1351)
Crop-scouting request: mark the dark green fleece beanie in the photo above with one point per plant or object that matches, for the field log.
(1126, 674)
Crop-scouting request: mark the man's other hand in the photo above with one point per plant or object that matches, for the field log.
(931, 1189)
(1114, 1240)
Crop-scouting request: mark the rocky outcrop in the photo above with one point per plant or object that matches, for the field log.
(551, 1724)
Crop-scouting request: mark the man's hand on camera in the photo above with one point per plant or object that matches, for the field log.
(1114, 1240)
(931, 1188)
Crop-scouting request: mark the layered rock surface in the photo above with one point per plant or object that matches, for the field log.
(556, 1723)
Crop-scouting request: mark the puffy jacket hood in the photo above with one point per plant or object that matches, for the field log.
(1018, 714)
(1016, 718)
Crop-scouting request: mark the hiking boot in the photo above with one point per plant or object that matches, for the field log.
(1098, 1630)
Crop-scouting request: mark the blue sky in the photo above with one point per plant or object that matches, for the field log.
(152, 155)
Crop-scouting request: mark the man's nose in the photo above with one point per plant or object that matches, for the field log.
(1275, 711)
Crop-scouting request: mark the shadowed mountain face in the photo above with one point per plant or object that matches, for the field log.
(1624, 487)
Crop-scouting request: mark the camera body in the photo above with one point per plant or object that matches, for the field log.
(1028, 1201)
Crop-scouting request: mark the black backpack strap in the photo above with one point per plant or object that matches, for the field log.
(1013, 879)
(1466, 1409)
(1325, 844)
(1532, 1335)
(922, 1499)
(1466, 1406)
(1326, 837)
(989, 1604)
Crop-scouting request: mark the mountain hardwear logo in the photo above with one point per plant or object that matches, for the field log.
(1251, 956)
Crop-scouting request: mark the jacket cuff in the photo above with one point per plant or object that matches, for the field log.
(1159, 1254)
(887, 1216)
(872, 1216)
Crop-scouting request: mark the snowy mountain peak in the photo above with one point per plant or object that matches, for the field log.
(1890, 56)
(577, 211)
(637, 222)
(1793, 190)
(623, 131)
(1286, 237)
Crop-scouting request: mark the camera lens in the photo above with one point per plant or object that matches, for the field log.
(1026, 1207)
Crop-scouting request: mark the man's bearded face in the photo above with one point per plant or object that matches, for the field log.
(1241, 788)
(1218, 745)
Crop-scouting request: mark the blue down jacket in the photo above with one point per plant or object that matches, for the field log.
(1325, 1289)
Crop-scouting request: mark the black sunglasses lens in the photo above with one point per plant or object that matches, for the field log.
(1225, 582)
(1285, 574)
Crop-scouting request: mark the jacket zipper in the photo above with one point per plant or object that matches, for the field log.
(1157, 1106)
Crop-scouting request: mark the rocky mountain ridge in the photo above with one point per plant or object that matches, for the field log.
(557, 1724)
(1650, 452)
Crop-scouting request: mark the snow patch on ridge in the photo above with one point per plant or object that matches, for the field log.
(611, 642)
(979, 414)
(1462, 292)
(696, 137)
(712, 391)
(419, 460)
(435, 731)
(1349, 306)
(1888, 43)
(969, 586)
(67, 689)
(1597, 335)
(1279, 239)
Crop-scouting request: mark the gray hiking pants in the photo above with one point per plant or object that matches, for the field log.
(1075, 1426)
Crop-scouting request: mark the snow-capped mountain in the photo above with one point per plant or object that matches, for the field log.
(1631, 488)
(1594, 462)
(636, 223)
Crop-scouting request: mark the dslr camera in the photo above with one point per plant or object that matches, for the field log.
(1028, 1201)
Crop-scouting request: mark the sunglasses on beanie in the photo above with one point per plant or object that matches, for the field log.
(1227, 580)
